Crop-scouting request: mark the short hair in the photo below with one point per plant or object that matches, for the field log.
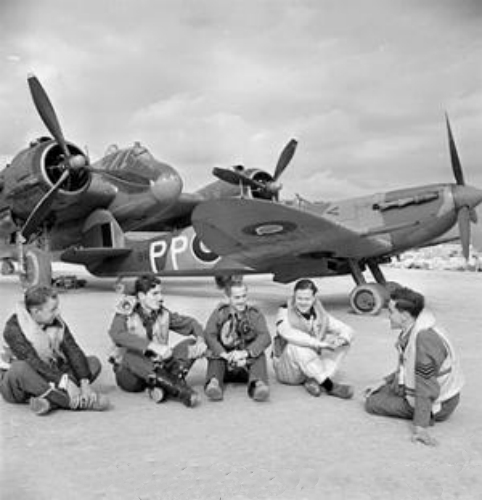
(408, 300)
(306, 284)
(145, 283)
(37, 296)
(233, 282)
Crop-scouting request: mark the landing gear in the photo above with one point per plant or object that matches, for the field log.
(36, 268)
(369, 298)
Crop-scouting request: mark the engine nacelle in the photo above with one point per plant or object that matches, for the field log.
(35, 170)
(264, 178)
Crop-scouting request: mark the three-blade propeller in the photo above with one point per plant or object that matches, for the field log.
(466, 198)
(465, 212)
(272, 188)
(70, 164)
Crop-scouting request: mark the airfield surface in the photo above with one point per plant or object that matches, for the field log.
(293, 447)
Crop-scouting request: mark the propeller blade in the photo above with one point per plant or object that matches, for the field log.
(463, 219)
(454, 156)
(236, 178)
(285, 158)
(43, 206)
(47, 112)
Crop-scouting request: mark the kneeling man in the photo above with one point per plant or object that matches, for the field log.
(426, 385)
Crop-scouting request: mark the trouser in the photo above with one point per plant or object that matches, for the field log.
(297, 364)
(137, 372)
(387, 403)
(21, 382)
(256, 369)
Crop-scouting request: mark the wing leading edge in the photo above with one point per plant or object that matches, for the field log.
(265, 234)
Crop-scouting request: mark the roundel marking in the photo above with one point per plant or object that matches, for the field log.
(270, 228)
(202, 252)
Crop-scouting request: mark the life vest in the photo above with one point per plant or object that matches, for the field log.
(450, 377)
(45, 340)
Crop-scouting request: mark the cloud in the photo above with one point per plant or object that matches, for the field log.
(212, 83)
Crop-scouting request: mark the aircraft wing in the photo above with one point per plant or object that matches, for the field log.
(92, 256)
(267, 235)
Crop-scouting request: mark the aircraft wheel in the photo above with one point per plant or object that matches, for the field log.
(37, 269)
(368, 298)
(7, 267)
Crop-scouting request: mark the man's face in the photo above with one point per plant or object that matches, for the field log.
(46, 313)
(397, 318)
(238, 298)
(152, 300)
(304, 300)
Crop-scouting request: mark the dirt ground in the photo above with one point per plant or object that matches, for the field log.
(293, 447)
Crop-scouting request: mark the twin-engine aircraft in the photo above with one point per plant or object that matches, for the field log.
(123, 215)
(127, 214)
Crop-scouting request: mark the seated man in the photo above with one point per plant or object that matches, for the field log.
(42, 363)
(237, 336)
(310, 344)
(426, 384)
(142, 358)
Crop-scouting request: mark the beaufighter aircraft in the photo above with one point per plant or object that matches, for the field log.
(127, 214)
(123, 215)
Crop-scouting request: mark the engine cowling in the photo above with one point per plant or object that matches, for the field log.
(35, 170)
(266, 179)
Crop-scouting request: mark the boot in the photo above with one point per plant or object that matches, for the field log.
(176, 387)
(342, 391)
(156, 393)
(52, 398)
(178, 367)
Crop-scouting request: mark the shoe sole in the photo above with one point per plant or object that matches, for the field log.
(39, 407)
(214, 394)
(261, 395)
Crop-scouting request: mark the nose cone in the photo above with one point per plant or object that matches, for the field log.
(168, 185)
(466, 196)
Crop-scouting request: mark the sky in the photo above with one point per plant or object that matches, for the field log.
(362, 85)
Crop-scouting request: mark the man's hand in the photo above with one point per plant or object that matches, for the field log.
(421, 435)
(70, 387)
(161, 352)
(338, 342)
(197, 350)
(238, 358)
(318, 348)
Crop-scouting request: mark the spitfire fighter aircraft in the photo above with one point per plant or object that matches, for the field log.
(295, 239)
(123, 215)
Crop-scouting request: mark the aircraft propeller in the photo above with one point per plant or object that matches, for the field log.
(71, 165)
(272, 187)
(466, 197)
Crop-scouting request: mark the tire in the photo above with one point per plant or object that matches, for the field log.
(368, 298)
(37, 269)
